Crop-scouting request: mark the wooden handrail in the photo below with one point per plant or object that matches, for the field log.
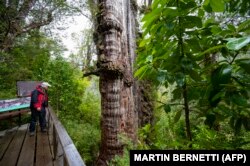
(64, 150)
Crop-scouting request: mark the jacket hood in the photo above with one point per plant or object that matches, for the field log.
(40, 89)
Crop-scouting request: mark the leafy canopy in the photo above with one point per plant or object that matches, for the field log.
(199, 48)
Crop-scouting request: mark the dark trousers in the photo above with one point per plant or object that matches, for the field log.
(41, 115)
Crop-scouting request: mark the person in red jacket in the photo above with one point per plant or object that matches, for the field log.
(38, 103)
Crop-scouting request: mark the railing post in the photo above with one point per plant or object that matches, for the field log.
(19, 118)
(55, 143)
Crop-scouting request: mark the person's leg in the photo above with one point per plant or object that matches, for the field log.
(32, 126)
(42, 119)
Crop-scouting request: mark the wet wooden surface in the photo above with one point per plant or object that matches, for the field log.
(17, 147)
(53, 147)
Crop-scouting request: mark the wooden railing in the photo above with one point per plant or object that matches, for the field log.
(64, 150)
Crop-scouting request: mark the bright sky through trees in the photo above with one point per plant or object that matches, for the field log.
(79, 23)
(76, 25)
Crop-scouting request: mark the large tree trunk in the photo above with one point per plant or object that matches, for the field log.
(116, 52)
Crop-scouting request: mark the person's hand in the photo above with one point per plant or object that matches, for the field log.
(39, 109)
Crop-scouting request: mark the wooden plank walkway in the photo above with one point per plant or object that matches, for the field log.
(54, 147)
(18, 148)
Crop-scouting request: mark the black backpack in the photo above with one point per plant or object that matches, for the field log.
(34, 95)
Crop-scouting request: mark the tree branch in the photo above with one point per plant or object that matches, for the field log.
(95, 72)
(25, 9)
(34, 25)
(234, 58)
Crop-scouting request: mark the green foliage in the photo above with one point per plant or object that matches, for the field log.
(75, 99)
(202, 56)
(28, 60)
(206, 138)
(82, 121)
(166, 133)
(121, 160)
(86, 138)
(67, 88)
(77, 102)
(238, 43)
(124, 159)
(244, 64)
(217, 6)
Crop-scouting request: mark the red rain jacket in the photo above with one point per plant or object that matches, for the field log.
(41, 98)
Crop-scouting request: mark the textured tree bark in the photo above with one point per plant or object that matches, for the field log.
(116, 50)
(145, 105)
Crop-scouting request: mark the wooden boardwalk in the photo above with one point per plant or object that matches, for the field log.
(18, 148)
(53, 147)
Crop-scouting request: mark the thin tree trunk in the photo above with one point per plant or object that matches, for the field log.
(187, 111)
(184, 87)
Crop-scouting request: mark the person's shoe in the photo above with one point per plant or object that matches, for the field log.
(32, 134)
